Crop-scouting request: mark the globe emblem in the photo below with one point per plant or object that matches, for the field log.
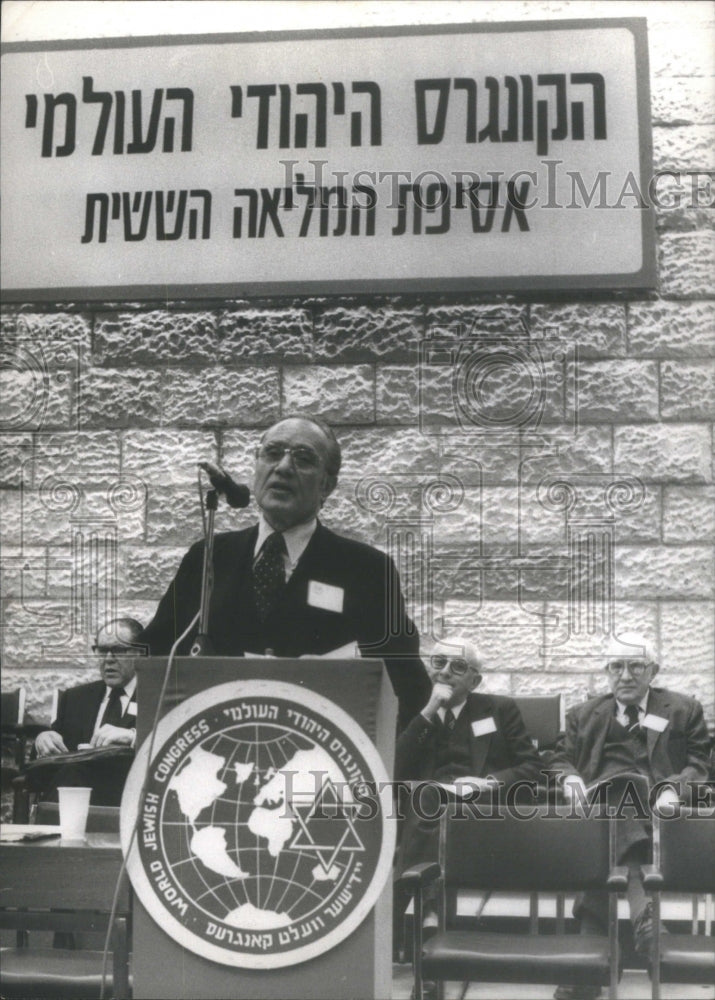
(261, 836)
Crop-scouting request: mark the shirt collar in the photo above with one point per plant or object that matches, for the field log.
(129, 688)
(456, 709)
(296, 538)
(621, 708)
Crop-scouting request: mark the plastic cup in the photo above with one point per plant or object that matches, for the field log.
(74, 807)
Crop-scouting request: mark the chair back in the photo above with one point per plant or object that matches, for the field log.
(12, 708)
(539, 849)
(543, 718)
(687, 851)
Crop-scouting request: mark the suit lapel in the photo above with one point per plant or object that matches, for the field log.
(478, 707)
(658, 704)
(600, 721)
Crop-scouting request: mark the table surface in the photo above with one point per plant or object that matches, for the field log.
(62, 874)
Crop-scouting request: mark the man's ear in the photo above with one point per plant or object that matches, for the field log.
(477, 682)
(330, 483)
(655, 667)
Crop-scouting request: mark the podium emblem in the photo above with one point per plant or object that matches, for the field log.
(264, 824)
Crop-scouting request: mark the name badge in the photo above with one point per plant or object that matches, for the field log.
(325, 596)
(132, 708)
(656, 722)
(483, 726)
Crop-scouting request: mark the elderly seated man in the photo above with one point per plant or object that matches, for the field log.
(640, 729)
(460, 737)
(101, 713)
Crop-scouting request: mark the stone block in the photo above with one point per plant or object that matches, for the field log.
(594, 329)
(56, 335)
(151, 570)
(682, 101)
(237, 454)
(617, 390)
(341, 394)
(460, 321)
(37, 400)
(577, 633)
(687, 630)
(687, 390)
(255, 335)
(664, 453)
(688, 147)
(589, 451)
(16, 464)
(121, 397)
(220, 397)
(671, 329)
(164, 458)
(687, 264)
(682, 49)
(652, 571)
(396, 394)
(480, 460)
(367, 333)
(688, 514)
(376, 452)
(71, 455)
(499, 629)
(68, 509)
(24, 567)
(155, 336)
(173, 516)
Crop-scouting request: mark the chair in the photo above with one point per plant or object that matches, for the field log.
(543, 718)
(58, 972)
(499, 850)
(683, 861)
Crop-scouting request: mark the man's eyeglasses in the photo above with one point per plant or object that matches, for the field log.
(304, 459)
(457, 664)
(636, 668)
(115, 650)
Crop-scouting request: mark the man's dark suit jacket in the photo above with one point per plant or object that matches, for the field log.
(77, 713)
(507, 754)
(373, 611)
(678, 754)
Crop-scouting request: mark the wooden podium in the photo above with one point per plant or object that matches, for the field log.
(358, 966)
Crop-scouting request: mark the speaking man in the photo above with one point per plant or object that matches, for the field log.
(635, 729)
(288, 586)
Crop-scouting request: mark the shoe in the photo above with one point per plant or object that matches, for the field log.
(429, 990)
(577, 993)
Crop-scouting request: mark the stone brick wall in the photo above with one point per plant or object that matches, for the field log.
(600, 476)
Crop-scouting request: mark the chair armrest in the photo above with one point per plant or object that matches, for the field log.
(617, 880)
(652, 877)
(419, 876)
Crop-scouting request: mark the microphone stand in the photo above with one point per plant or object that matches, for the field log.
(202, 645)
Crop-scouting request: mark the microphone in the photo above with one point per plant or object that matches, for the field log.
(237, 495)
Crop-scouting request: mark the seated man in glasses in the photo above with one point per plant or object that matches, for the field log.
(98, 714)
(288, 586)
(471, 740)
(637, 729)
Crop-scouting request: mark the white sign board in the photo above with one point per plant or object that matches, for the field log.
(487, 157)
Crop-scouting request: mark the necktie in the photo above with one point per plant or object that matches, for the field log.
(113, 712)
(633, 723)
(269, 574)
(449, 719)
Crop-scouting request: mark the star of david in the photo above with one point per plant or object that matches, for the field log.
(325, 826)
